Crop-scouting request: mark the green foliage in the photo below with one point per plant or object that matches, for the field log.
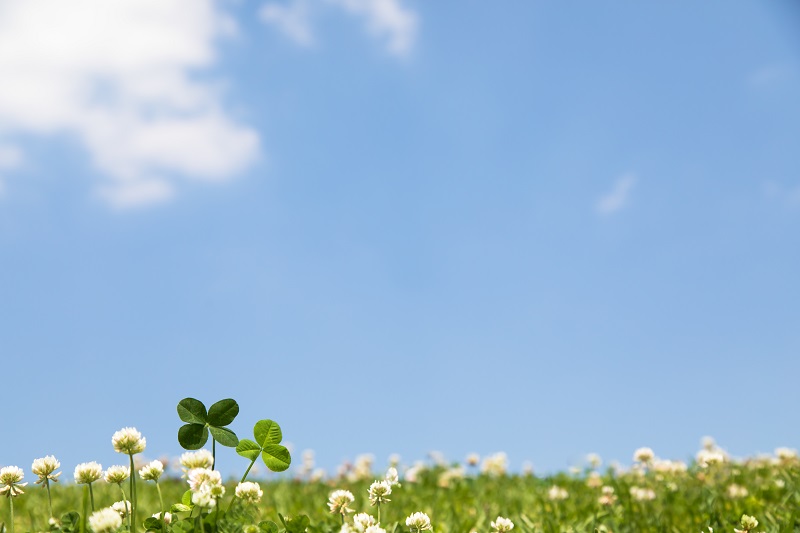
(268, 435)
(199, 422)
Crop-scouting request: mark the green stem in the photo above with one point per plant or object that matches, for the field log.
(133, 496)
(160, 499)
(11, 503)
(242, 481)
(91, 496)
(213, 453)
(379, 513)
(49, 497)
(124, 498)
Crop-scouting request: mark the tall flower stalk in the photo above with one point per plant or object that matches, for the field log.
(45, 468)
(88, 473)
(151, 472)
(118, 475)
(11, 486)
(130, 442)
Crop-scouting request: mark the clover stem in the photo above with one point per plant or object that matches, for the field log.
(133, 496)
(11, 503)
(124, 498)
(213, 453)
(160, 499)
(49, 497)
(379, 513)
(91, 496)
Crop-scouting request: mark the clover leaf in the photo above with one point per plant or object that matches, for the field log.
(267, 444)
(199, 423)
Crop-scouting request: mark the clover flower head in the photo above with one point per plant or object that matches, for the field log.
(473, 459)
(152, 471)
(557, 493)
(45, 468)
(204, 499)
(375, 529)
(495, 465)
(642, 494)
(378, 492)
(607, 497)
(203, 478)
(392, 477)
(117, 474)
(594, 460)
(88, 472)
(419, 522)
(707, 458)
(105, 521)
(198, 459)
(643, 455)
(501, 525)
(362, 521)
(594, 480)
(249, 492)
(10, 477)
(736, 492)
(128, 441)
(123, 508)
(339, 500)
(747, 523)
(786, 454)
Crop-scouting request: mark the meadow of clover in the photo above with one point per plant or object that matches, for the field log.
(714, 493)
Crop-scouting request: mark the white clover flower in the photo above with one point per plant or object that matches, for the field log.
(375, 529)
(198, 459)
(495, 465)
(128, 441)
(10, 477)
(392, 477)
(594, 480)
(45, 468)
(419, 522)
(339, 500)
(594, 460)
(643, 455)
(557, 493)
(378, 492)
(362, 521)
(249, 491)
(88, 472)
(105, 521)
(786, 454)
(167, 517)
(747, 523)
(199, 478)
(501, 525)
(123, 508)
(347, 528)
(473, 459)
(152, 471)
(204, 499)
(117, 474)
(642, 494)
(608, 497)
(736, 492)
(707, 458)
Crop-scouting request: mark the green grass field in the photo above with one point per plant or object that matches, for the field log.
(659, 498)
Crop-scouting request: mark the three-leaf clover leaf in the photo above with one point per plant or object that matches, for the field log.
(199, 422)
(267, 444)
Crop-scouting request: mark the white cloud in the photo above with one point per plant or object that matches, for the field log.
(119, 77)
(387, 19)
(618, 197)
(293, 20)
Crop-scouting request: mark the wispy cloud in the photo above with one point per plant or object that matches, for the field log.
(770, 75)
(119, 77)
(388, 20)
(293, 19)
(10, 158)
(789, 196)
(618, 197)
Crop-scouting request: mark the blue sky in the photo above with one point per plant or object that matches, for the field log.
(401, 226)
